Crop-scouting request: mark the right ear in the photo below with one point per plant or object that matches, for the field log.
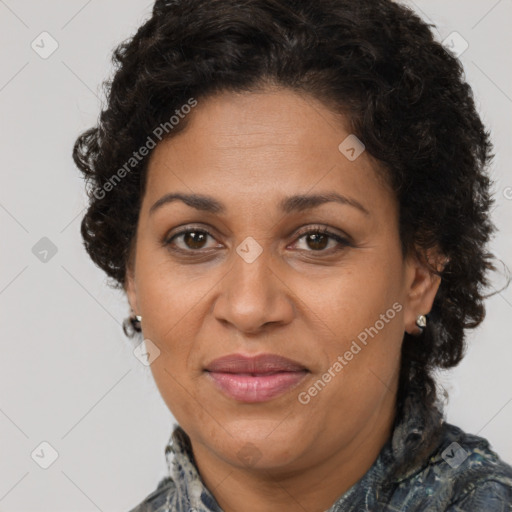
(129, 284)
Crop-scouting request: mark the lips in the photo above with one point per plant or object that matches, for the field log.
(261, 364)
(255, 379)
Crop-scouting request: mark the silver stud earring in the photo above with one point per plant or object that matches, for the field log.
(421, 322)
(138, 318)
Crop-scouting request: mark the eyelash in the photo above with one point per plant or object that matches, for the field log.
(343, 242)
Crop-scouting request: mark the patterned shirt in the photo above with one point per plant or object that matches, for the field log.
(427, 465)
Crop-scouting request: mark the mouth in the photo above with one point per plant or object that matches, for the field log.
(255, 379)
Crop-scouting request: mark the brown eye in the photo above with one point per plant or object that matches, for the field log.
(192, 240)
(317, 239)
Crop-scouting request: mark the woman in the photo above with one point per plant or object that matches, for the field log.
(294, 197)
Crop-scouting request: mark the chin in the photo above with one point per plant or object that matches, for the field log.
(259, 445)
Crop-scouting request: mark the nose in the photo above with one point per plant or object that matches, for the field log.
(253, 294)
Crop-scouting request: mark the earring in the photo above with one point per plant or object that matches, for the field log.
(136, 320)
(132, 324)
(421, 322)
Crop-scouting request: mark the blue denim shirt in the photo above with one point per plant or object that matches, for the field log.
(459, 473)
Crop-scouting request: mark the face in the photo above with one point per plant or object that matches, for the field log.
(251, 271)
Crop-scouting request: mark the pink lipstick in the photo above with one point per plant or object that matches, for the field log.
(255, 379)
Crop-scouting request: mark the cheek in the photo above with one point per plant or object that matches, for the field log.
(358, 301)
(363, 312)
(179, 397)
(167, 293)
(360, 376)
(168, 309)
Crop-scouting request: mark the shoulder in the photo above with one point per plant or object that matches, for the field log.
(465, 468)
(488, 494)
(158, 500)
(466, 454)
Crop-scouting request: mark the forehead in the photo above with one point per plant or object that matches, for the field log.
(250, 145)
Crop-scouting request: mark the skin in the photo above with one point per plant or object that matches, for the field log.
(299, 299)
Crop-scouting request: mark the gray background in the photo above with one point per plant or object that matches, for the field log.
(68, 374)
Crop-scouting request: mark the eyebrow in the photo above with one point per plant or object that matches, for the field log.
(296, 203)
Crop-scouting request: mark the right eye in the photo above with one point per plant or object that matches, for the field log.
(193, 240)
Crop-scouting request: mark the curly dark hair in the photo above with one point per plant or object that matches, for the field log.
(377, 62)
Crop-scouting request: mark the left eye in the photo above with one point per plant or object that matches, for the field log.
(317, 239)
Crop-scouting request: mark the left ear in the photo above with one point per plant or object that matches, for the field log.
(422, 285)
